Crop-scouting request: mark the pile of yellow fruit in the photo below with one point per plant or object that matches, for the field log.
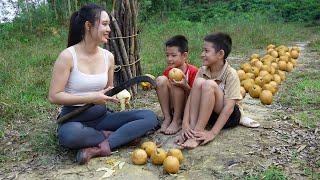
(170, 160)
(146, 86)
(262, 76)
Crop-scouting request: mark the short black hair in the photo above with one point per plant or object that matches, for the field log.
(180, 41)
(220, 41)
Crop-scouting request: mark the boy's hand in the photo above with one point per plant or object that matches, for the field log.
(204, 136)
(187, 132)
(182, 83)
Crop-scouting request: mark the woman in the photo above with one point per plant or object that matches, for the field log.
(82, 74)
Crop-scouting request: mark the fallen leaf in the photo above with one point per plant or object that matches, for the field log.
(107, 174)
(301, 147)
(121, 164)
(103, 169)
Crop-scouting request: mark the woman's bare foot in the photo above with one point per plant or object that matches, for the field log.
(174, 127)
(165, 124)
(190, 143)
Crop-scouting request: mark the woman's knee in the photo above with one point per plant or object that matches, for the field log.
(68, 134)
(162, 81)
(150, 117)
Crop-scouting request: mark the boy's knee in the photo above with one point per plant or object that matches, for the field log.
(162, 81)
(198, 82)
(209, 85)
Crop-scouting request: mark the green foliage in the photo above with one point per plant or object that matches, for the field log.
(281, 10)
(272, 173)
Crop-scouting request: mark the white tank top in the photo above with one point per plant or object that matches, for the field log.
(80, 83)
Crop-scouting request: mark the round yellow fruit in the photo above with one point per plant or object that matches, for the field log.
(139, 157)
(175, 74)
(294, 54)
(289, 67)
(266, 97)
(282, 65)
(259, 81)
(171, 165)
(274, 54)
(243, 92)
(158, 156)
(255, 91)
(241, 74)
(177, 152)
(255, 56)
(246, 67)
(149, 147)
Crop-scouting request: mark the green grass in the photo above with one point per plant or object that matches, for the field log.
(300, 92)
(272, 173)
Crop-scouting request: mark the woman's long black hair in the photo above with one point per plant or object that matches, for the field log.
(89, 12)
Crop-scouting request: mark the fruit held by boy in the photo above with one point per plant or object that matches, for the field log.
(175, 74)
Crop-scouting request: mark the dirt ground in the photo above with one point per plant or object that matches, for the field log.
(234, 154)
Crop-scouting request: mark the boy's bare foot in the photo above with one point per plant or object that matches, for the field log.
(165, 124)
(180, 140)
(174, 127)
(190, 144)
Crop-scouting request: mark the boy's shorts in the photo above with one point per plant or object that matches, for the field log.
(233, 120)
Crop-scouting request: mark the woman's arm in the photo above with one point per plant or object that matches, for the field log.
(60, 75)
(110, 69)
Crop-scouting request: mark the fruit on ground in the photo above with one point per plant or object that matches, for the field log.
(289, 67)
(246, 67)
(247, 84)
(266, 97)
(277, 78)
(158, 156)
(282, 65)
(255, 91)
(294, 54)
(139, 157)
(146, 85)
(241, 74)
(171, 165)
(177, 152)
(254, 56)
(175, 74)
(149, 147)
(242, 92)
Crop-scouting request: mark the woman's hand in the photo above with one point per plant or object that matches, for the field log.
(204, 136)
(100, 97)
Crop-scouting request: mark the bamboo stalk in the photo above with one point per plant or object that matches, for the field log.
(123, 51)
